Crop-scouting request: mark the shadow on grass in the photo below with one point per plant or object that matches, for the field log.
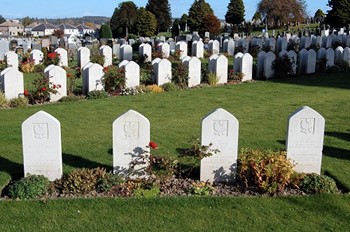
(336, 80)
(339, 135)
(79, 162)
(335, 152)
(15, 170)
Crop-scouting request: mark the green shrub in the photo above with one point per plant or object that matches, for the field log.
(18, 102)
(70, 98)
(3, 100)
(201, 188)
(283, 66)
(213, 79)
(268, 171)
(39, 68)
(114, 79)
(314, 183)
(97, 94)
(169, 87)
(180, 75)
(106, 182)
(152, 192)
(82, 181)
(29, 187)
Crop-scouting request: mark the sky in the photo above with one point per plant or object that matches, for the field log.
(11, 9)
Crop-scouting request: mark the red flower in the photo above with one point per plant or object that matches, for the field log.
(153, 145)
(26, 92)
(52, 55)
(69, 75)
(54, 86)
(58, 86)
(43, 89)
(105, 69)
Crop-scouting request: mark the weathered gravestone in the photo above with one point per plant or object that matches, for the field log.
(57, 77)
(194, 70)
(220, 129)
(83, 56)
(11, 59)
(11, 82)
(305, 140)
(106, 52)
(41, 141)
(63, 55)
(92, 78)
(131, 136)
(293, 59)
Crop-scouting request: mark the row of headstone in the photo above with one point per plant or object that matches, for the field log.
(11, 82)
(42, 149)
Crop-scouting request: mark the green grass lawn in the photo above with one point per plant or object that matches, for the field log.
(262, 108)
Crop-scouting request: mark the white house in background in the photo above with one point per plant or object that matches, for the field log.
(68, 29)
(28, 29)
(43, 29)
(11, 28)
(83, 29)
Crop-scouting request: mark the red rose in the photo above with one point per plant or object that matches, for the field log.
(69, 75)
(26, 92)
(43, 89)
(105, 69)
(54, 86)
(58, 86)
(153, 145)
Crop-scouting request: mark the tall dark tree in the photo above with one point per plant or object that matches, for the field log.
(183, 22)
(146, 23)
(161, 9)
(210, 24)
(2, 19)
(339, 15)
(175, 29)
(105, 31)
(283, 11)
(235, 12)
(123, 18)
(198, 10)
(319, 15)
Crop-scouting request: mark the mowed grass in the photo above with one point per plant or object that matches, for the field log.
(262, 108)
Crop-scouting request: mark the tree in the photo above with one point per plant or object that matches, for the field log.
(283, 11)
(175, 29)
(105, 31)
(146, 23)
(58, 33)
(198, 10)
(339, 15)
(319, 15)
(211, 24)
(26, 21)
(123, 18)
(2, 19)
(161, 9)
(256, 17)
(183, 22)
(235, 12)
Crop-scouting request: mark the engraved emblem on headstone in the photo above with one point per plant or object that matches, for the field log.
(131, 130)
(220, 127)
(307, 126)
(40, 131)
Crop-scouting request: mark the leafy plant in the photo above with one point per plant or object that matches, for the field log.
(27, 65)
(18, 102)
(3, 100)
(107, 182)
(52, 58)
(201, 188)
(152, 192)
(29, 187)
(180, 75)
(283, 66)
(96, 56)
(97, 94)
(39, 68)
(42, 88)
(235, 76)
(70, 98)
(268, 171)
(154, 89)
(114, 79)
(169, 87)
(213, 79)
(314, 183)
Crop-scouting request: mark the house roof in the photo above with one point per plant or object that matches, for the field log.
(84, 27)
(66, 26)
(32, 25)
(44, 26)
(10, 24)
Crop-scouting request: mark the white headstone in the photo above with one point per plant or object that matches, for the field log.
(211, 62)
(164, 48)
(57, 76)
(182, 47)
(107, 52)
(339, 54)
(131, 136)
(311, 62)
(321, 53)
(37, 56)
(63, 55)
(194, 71)
(214, 47)
(198, 49)
(11, 59)
(330, 54)
(4, 48)
(221, 69)
(303, 53)
(11, 82)
(346, 55)
(126, 52)
(293, 59)
(163, 72)
(92, 78)
(237, 62)
(305, 140)
(260, 64)
(220, 128)
(83, 56)
(132, 74)
(41, 141)
(145, 50)
(231, 47)
(247, 67)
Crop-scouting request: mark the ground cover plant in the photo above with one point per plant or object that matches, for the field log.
(262, 109)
